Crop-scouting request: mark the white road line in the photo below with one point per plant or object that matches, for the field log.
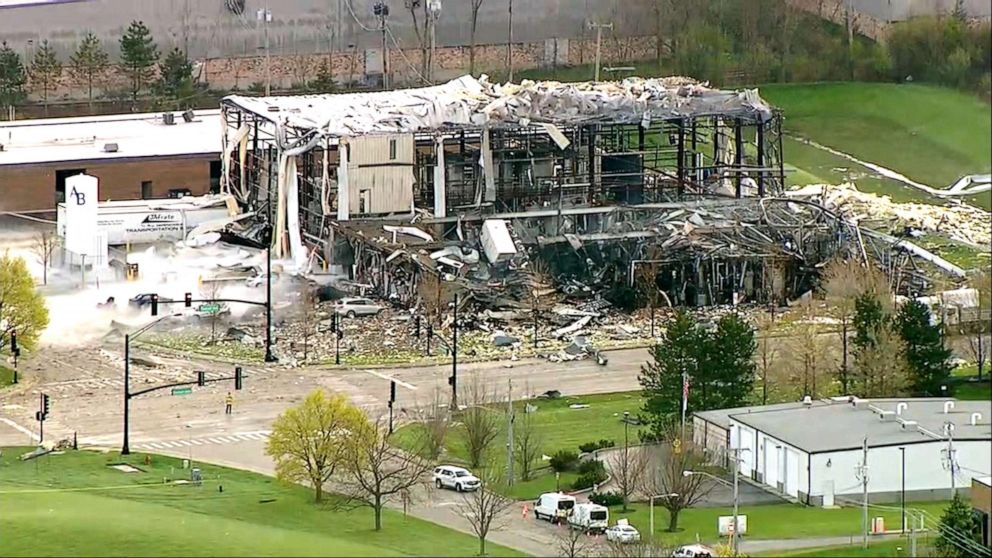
(398, 382)
(255, 436)
(155, 446)
(229, 439)
(20, 428)
(196, 442)
(185, 443)
(217, 441)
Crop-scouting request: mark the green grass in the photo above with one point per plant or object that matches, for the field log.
(560, 428)
(955, 252)
(776, 521)
(974, 391)
(6, 376)
(138, 514)
(899, 547)
(932, 135)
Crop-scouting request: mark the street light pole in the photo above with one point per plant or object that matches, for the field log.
(651, 510)
(454, 357)
(126, 449)
(734, 541)
(902, 496)
(626, 457)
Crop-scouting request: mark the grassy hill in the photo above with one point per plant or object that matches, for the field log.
(75, 504)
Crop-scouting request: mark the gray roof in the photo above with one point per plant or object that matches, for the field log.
(841, 425)
(721, 417)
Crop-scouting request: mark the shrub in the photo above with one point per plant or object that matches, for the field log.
(563, 460)
(591, 473)
(611, 498)
(590, 447)
(591, 466)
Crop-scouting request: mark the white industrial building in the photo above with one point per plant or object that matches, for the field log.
(814, 452)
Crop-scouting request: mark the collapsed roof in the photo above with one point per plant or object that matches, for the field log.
(468, 102)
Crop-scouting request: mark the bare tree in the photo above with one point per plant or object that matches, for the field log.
(572, 543)
(527, 443)
(481, 421)
(435, 418)
(669, 461)
(647, 281)
(627, 468)
(842, 282)
(377, 471)
(211, 290)
(977, 331)
(542, 293)
(476, 4)
(422, 29)
(45, 243)
(434, 296)
(767, 350)
(309, 303)
(881, 366)
(809, 355)
(484, 509)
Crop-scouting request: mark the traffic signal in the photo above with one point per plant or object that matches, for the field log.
(46, 404)
(392, 391)
(201, 378)
(237, 377)
(189, 300)
(451, 380)
(334, 322)
(13, 342)
(154, 305)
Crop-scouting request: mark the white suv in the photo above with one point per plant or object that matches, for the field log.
(447, 476)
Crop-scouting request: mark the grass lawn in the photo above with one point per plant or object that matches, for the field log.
(560, 428)
(6, 376)
(933, 135)
(976, 391)
(883, 548)
(137, 514)
(955, 252)
(777, 521)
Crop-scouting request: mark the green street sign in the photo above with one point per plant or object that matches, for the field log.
(210, 308)
(182, 391)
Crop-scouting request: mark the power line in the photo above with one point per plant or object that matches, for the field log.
(354, 16)
(399, 48)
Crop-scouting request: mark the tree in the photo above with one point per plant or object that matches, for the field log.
(435, 420)
(481, 422)
(729, 362)
(45, 243)
(527, 443)
(139, 53)
(422, 29)
(627, 467)
(484, 509)
(809, 355)
(868, 320)
(377, 471)
(927, 358)
(977, 332)
(175, 79)
(881, 365)
(307, 440)
(45, 70)
(88, 65)
(12, 77)
(675, 354)
(666, 475)
(476, 5)
(572, 543)
(956, 532)
(22, 308)
(324, 82)
(647, 281)
(767, 351)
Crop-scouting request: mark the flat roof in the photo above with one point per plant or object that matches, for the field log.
(721, 417)
(60, 140)
(842, 426)
(470, 103)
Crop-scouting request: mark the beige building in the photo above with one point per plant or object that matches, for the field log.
(981, 501)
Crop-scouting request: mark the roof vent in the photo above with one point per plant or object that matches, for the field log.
(901, 406)
(110, 148)
(807, 400)
(168, 118)
(886, 415)
(975, 417)
(272, 108)
(910, 425)
(948, 406)
(861, 403)
(188, 116)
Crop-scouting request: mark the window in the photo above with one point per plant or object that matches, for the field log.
(392, 150)
(146, 189)
(215, 172)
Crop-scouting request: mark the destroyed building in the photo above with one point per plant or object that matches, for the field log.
(515, 190)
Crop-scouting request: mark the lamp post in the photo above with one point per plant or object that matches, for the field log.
(453, 379)
(734, 538)
(126, 447)
(626, 458)
(651, 510)
(902, 492)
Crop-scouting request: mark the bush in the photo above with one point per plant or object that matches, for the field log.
(591, 473)
(590, 447)
(611, 498)
(563, 460)
(591, 466)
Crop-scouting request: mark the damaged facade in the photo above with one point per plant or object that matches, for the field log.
(514, 192)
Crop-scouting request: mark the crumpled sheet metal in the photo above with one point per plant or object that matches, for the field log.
(476, 103)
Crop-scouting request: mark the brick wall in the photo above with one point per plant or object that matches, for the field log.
(33, 187)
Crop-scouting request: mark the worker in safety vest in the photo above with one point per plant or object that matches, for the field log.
(228, 403)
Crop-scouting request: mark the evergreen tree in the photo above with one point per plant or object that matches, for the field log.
(88, 64)
(957, 526)
(175, 75)
(661, 379)
(926, 356)
(869, 319)
(730, 362)
(12, 78)
(45, 70)
(138, 57)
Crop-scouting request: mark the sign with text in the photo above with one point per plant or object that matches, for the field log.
(726, 525)
(81, 196)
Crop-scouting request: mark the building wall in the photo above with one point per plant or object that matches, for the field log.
(981, 501)
(32, 187)
(381, 174)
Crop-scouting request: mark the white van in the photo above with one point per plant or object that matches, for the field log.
(553, 506)
(591, 518)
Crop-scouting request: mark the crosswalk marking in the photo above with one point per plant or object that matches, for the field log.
(233, 438)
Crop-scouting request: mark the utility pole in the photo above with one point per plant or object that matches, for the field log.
(434, 12)
(509, 431)
(949, 430)
(850, 37)
(863, 476)
(264, 15)
(509, 42)
(599, 39)
(734, 541)
(381, 10)
(453, 379)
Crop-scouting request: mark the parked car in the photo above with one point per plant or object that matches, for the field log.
(589, 517)
(692, 551)
(623, 533)
(554, 506)
(354, 306)
(458, 478)
(143, 300)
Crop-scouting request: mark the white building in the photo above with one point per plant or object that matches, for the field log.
(814, 452)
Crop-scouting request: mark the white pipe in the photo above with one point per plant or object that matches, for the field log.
(975, 417)
(948, 405)
(901, 406)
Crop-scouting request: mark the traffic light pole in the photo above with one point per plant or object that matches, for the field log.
(126, 448)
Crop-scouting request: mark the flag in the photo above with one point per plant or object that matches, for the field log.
(685, 397)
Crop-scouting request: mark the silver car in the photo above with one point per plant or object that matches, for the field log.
(355, 306)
